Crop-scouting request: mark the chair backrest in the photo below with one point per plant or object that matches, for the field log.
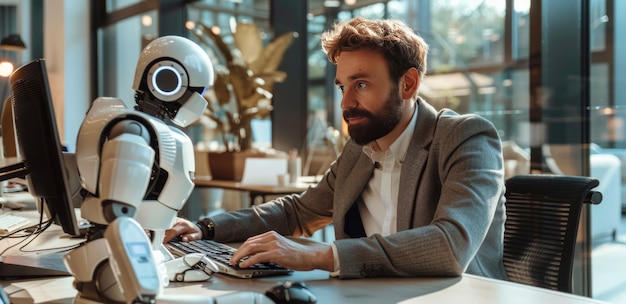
(543, 212)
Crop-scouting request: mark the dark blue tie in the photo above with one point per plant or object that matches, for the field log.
(353, 224)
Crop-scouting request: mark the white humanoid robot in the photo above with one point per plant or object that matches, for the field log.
(137, 167)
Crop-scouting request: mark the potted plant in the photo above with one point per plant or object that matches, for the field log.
(242, 90)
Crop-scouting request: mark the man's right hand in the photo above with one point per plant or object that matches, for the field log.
(184, 229)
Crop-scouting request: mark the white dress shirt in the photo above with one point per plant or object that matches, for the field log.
(379, 207)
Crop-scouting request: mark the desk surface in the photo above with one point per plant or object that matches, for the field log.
(464, 289)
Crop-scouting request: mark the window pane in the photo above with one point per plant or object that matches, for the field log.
(113, 5)
(598, 24)
(466, 33)
(121, 45)
(371, 11)
(520, 30)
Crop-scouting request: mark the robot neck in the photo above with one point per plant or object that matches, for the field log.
(155, 107)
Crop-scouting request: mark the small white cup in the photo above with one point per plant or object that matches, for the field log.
(283, 179)
(294, 168)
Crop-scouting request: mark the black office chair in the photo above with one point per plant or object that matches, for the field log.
(543, 212)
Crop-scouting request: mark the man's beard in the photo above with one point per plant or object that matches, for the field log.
(376, 125)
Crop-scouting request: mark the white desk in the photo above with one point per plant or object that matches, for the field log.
(464, 289)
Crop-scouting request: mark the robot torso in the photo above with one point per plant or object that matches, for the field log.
(169, 180)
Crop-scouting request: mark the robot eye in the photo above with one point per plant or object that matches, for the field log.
(166, 80)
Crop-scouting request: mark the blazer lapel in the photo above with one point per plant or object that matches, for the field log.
(353, 184)
(412, 169)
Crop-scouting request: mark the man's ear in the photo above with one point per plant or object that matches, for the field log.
(409, 83)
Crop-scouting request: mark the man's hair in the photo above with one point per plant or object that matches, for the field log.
(396, 41)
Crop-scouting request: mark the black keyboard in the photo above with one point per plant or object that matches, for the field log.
(221, 254)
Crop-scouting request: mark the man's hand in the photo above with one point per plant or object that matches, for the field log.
(289, 253)
(187, 230)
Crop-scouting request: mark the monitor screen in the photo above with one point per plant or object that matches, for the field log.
(39, 144)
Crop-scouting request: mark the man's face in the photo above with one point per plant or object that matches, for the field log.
(371, 102)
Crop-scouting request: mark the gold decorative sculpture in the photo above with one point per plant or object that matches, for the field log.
(250, 74)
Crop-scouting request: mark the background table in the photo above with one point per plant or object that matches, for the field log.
(256, 191)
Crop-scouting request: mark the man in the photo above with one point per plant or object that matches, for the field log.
(415, 192)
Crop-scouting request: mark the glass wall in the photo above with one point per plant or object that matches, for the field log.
(607, 19)
(467, 68)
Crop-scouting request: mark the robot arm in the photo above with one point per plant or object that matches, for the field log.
(126, 165)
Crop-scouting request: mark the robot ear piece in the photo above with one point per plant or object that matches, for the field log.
(167, 80)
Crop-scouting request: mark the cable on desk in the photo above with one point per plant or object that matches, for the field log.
(32, 229)
(33, 232)
(53, 249)
(25, 236)
(38, 229)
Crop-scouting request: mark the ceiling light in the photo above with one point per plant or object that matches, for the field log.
(12, 42)
(146, 20)
(6, 68)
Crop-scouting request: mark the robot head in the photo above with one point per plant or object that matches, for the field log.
(171, 76)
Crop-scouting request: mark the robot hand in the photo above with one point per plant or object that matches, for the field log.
(193, 267)
(132, 261)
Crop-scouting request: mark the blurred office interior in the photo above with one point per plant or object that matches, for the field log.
(550, 75)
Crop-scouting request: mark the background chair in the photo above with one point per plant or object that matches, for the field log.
(543, 212)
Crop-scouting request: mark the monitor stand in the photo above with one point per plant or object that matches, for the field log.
(30, 266)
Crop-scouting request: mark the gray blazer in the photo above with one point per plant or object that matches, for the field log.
(450, 205)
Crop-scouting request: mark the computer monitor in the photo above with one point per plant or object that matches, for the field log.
(47, 173)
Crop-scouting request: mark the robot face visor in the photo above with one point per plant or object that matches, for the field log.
(168, 81)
